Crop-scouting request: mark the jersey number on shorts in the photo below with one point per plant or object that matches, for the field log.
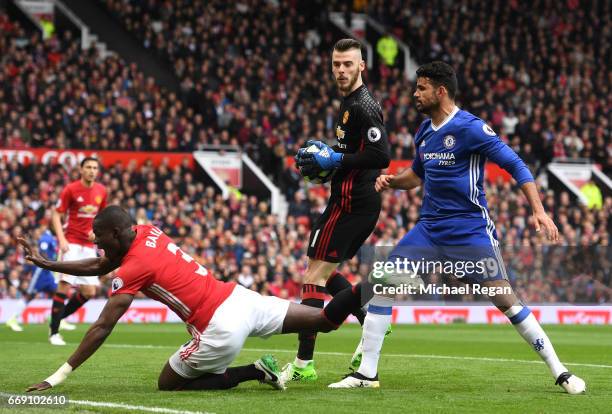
(174, 248)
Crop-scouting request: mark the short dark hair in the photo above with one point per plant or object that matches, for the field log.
(343, 45)
(440, 74)
(114, 216)
(89, 159)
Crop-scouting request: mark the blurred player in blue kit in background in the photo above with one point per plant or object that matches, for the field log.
(43, 281)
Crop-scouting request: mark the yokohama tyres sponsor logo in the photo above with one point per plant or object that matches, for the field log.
(584, 317)
(495, 316)
(144, 315)
(440, 315)
(40, 314)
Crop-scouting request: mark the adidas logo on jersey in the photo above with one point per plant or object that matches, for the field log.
(80, 199)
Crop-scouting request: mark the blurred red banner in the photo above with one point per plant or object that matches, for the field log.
(107, 158)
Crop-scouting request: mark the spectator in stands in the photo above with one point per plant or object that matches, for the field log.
(592, 194)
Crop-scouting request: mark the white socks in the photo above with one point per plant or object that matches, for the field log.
(375, 326)
(300, 363)
(529, 328)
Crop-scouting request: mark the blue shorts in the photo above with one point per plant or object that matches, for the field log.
(455, 243)
(42, 281)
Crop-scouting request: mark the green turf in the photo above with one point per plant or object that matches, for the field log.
(121, 372)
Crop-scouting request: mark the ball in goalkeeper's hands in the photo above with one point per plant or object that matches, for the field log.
(313, 173)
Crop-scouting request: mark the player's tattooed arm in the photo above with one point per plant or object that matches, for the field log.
(97, 266)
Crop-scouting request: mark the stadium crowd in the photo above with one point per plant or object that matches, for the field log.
(545, 87)
(270, 90)
(239, 240)
(538, 71)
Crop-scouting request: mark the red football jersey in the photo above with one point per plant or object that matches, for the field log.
(82, 204)
(157, 267)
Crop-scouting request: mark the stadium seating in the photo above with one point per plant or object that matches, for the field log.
(262, 79)
(538, 71)
(541, 88)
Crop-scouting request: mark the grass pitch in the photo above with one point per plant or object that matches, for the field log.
(423, 368)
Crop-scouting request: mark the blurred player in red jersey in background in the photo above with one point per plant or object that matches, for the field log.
(80, 201)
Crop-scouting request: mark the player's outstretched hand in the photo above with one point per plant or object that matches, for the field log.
(31, 254)
(41, 386)
(383, 182)
(542, 220)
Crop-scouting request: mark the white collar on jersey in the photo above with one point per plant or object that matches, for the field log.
(448, 118)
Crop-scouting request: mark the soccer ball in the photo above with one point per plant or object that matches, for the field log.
(313, 173)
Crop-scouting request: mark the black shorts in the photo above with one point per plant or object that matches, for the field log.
(337, 235)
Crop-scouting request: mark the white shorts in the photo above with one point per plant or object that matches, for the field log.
(244, 313)
(79, 252)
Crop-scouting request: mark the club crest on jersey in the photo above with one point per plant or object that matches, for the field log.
(98, 199)
(374, 134)
(488, 130)
(449, 141)
(339, 132)
(117, 284)
(345, 117)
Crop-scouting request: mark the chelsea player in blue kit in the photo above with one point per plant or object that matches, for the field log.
(42, 280)
(451, 149)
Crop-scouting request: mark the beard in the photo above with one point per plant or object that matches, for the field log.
(349, 85)
(427, 108)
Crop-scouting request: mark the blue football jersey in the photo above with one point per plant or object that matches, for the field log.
(47, 245)
(450, 159)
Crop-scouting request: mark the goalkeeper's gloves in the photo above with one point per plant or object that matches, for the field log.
(326, 158)
(315, 142)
